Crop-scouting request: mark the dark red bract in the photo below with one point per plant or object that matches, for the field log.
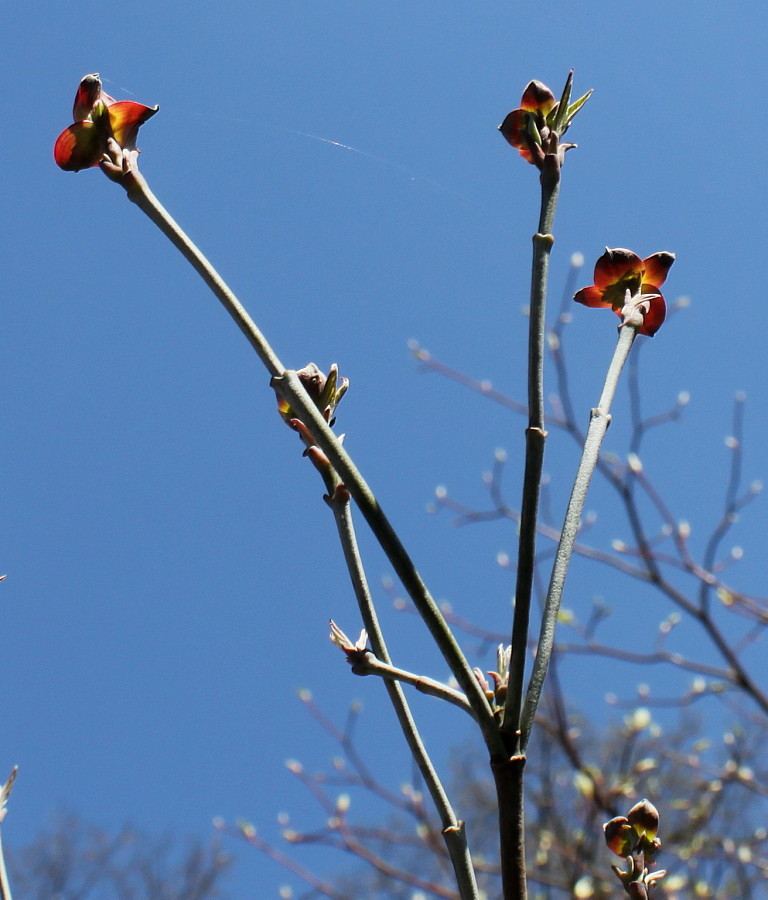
(98, 117)
(618, 271)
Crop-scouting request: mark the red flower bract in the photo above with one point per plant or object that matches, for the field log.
(618, 271)
(537, 101)
(98, 117)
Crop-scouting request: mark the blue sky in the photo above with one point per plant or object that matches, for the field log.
(171, 566)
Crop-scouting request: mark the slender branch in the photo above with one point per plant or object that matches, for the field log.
(508, 776)
(453, 829)
(598, 425)
(372, 666)
(139, 193)
(534, 451)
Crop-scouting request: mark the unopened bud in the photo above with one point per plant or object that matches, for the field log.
(619, 836)
(644, 818)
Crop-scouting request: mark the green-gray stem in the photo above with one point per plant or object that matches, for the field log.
(509, 775)
(138, 191)
(598, 425)
(453, 829)
(374, 666)
(534, 453)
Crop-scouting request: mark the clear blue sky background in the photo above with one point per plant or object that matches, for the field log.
(171, 565)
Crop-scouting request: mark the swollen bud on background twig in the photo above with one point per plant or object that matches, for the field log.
(644, 818)
(620, 837)
(633, 837)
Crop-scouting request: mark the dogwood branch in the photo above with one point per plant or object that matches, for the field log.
(598, 425)
(365, 663)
